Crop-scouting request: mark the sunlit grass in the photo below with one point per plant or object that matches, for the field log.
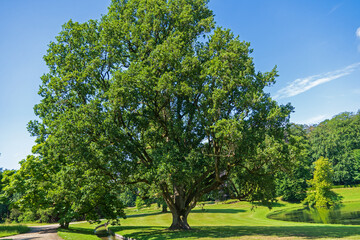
(239, 220)
(233, 221)
(349, 194)
(81, 231)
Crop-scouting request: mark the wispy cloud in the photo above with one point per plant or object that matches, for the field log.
(334, 8)
(315, 120)
(301, 85)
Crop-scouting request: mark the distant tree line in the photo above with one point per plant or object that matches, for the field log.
(337, 139)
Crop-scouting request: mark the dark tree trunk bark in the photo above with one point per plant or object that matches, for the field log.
(180, 206)
(164, 208)
(180, 200)
(179, 220)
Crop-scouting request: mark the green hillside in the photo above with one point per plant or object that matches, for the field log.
(239, 220)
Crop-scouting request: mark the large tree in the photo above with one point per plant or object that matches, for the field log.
(153, 94)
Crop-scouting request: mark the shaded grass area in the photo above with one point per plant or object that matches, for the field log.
(8, 230)
(227, 211)
(143, 215)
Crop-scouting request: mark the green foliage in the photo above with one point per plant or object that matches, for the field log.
(320, 193)
(46, 215)
(260, 185)
(139, 203)
(138, 98)
(5, 201)
(62, 196)
(338, 140)
(27, 216)
(128, 197)
(291, 184)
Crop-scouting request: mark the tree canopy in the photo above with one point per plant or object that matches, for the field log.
(153, 94)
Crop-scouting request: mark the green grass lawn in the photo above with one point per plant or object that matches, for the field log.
(16, 228)
(12, 229)
(226, 221)
(81, 231)
(349, 194)
(239, 220)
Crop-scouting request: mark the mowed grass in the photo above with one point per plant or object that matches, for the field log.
(233, 221)
(80, 231)
(239, 220)
(16, 228)
(349, 194)
(12, 229)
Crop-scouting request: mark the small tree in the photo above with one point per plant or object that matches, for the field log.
(321, 194)
(63, 192)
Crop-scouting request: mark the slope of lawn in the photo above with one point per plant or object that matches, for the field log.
(238, 220)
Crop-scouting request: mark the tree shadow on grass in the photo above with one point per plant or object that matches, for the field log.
(217, 210)
(73, 229)
(274, 204)
(192, 211)
(219, 232)
(143, 214)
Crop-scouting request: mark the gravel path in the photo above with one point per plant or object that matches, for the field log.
(47, 232)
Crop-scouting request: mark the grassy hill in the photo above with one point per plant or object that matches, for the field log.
(237, 220)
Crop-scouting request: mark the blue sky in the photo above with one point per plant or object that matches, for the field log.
(315, 45)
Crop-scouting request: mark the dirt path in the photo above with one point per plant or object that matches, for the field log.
(47, 232)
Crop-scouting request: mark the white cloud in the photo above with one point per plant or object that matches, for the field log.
(358, 32)
(301, 85)
(315, 120)
(334, 8)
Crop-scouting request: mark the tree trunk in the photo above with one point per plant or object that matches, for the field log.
(179, 220)
(180, 206)
(64, 225)
(164, 208)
